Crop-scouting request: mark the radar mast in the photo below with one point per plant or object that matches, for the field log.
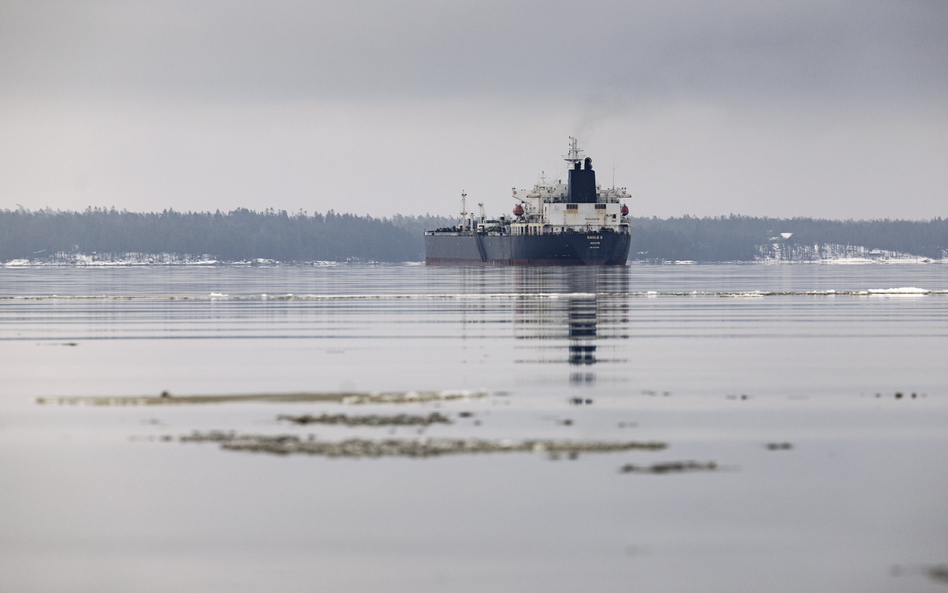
(575, 153)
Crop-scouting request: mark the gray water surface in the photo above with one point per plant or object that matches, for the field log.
(783, 379)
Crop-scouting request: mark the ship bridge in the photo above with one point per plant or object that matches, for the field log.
(580, 205)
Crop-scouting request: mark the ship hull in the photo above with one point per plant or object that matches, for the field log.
(568, 249)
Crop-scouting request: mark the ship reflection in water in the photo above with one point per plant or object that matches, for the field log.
(572, 316)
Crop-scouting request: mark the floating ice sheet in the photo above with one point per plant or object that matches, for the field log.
(346, 397)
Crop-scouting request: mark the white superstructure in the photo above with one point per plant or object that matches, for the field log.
(546, 209)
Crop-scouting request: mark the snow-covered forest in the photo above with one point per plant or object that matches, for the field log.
(100, 234)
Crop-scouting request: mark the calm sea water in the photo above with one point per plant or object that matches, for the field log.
(784, 377)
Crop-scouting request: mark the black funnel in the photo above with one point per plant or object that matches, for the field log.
(582, 184)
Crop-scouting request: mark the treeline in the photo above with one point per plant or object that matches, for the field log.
(242, 235)
(745, 238)
(239, 235)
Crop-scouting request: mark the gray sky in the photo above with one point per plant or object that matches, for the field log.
(762, 108)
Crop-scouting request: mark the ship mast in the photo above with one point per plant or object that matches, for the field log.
(463, 223)
(575, 154)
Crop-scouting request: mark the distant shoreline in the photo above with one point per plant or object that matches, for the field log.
(98, 237)
(197, 263)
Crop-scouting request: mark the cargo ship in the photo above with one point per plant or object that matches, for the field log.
(575, 223)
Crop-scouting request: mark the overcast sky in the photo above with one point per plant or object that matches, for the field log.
(825, 109)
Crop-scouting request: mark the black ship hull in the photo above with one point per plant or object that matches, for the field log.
(566, 249)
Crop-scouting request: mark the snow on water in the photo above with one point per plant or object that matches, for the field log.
(152, 259)
(119, 260)
(851, 261)
(750, 294)
(777, 253)
(746, 294)
(903, 290)
(901, 259)
(908, 291)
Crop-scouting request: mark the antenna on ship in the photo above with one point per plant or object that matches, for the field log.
(575, 154)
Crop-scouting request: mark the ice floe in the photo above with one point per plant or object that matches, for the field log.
(747, 294)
